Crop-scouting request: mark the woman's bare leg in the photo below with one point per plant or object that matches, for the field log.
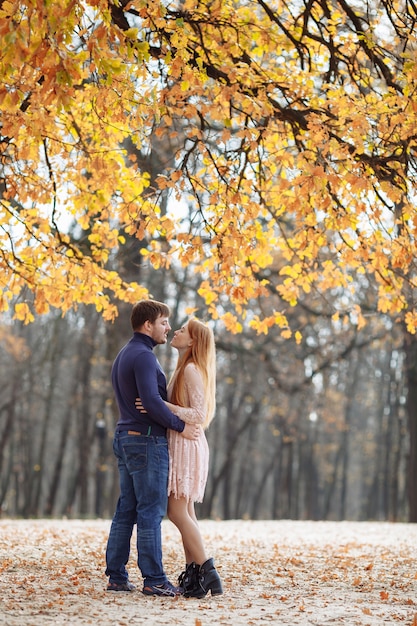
(179, 514)
(191, 511)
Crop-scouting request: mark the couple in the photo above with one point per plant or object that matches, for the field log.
(161, 450)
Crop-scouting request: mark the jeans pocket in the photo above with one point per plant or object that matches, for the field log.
(136, 456)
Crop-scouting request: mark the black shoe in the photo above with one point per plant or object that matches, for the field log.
(127, 586)
(188, 579)
(208, 580)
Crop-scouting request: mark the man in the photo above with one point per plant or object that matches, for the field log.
(141, 448)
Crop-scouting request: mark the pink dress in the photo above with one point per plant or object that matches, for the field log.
(189, 460)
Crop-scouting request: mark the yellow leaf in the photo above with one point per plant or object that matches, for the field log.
(23, 313)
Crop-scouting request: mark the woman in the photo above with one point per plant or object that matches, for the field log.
(192, 397)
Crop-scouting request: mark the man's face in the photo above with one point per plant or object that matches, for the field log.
(160, 329)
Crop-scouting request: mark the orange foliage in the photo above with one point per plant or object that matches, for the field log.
(296, 152)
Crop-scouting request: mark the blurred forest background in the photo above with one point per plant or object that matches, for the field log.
(310, 431)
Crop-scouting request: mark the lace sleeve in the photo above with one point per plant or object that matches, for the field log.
(195, 413)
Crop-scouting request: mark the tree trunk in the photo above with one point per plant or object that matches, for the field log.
(52, 358)
(59, 460)
(410, 348)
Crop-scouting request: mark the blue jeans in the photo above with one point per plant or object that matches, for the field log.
(143, 474)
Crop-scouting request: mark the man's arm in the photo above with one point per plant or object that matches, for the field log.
(191, 429)
(146, 375)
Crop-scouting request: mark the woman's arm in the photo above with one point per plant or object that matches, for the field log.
(196, 412)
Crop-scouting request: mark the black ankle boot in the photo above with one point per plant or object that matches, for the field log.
(208, 580)
(188, 579)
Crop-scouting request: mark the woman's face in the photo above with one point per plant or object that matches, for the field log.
(181, 339)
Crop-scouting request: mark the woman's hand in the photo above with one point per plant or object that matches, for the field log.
(139, 406)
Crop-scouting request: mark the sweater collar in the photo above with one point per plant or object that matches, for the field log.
(145, 339)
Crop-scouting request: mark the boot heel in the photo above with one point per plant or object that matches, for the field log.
(216, 588)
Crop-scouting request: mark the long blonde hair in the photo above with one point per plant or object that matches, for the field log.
(202, 353)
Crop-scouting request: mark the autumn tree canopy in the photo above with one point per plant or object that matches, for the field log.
(294, 130)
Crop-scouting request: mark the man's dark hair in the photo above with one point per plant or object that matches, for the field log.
(147, 311)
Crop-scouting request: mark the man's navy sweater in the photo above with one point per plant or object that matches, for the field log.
(136, 372)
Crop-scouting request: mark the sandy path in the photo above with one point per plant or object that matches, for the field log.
(283, 572)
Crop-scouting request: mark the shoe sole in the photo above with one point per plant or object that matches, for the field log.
(161, 593)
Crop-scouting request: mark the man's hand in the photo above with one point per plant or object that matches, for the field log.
(191, 431)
